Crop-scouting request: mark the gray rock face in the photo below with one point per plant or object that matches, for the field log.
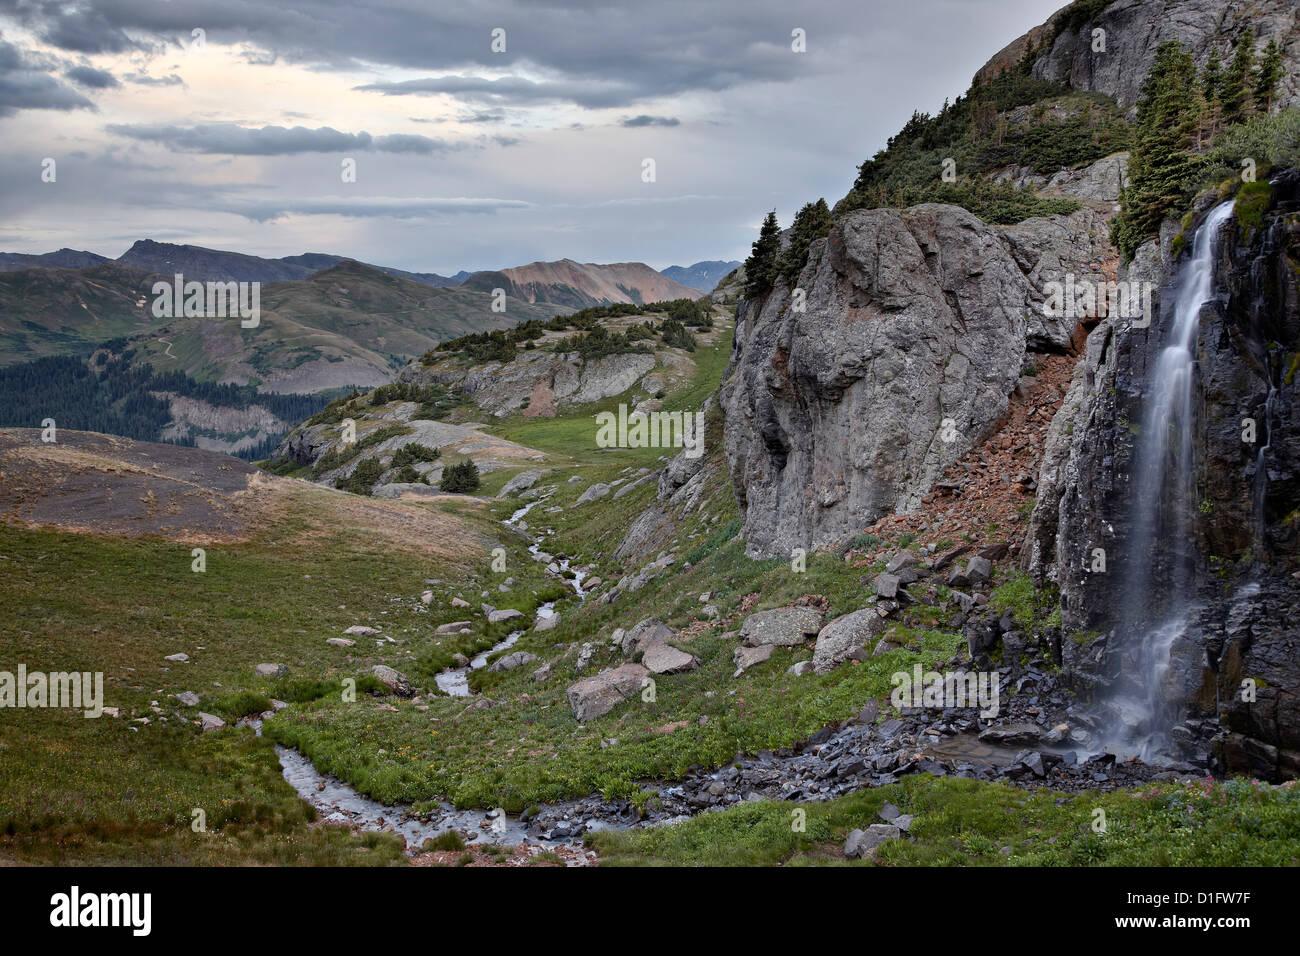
(505, 614)
(539, 382)
(1135, 28)
(912, 339)
(782, 626)
(210, 722)
(1099, 182)
(600, 694)
(846, 634)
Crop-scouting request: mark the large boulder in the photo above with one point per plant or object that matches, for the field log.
(662, 658)
(782, 626)
(644, 634)
(510, 661)
(394, 680)
(521, 482)
(848, 634)
(603, 692)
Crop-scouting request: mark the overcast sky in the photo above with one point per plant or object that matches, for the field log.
(465, 158)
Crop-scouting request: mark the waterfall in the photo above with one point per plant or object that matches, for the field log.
(1157, 608)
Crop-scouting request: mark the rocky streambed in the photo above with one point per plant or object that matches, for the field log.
(1022, 747)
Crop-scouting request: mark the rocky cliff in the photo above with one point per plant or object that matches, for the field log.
(1245, 549)
(1133, 29)
(912, 335)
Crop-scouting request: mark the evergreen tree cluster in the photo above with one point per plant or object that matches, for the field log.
(1180, 115)
(502, 345)
(112, 395)
(461, 478)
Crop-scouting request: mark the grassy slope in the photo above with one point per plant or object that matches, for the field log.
(966, 823)
(87, 790)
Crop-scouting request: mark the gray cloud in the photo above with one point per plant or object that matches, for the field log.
(512, 89)
(644, 120)
(92, 78)
(82, 29)
(144, 79)
(24, 85)
(394, 207)
(234, 140)
(758, 124)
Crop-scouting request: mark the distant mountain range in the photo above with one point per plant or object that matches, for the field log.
(350, 324)
(703, 275)
(327, 322)
(198, 262)
(579, 285)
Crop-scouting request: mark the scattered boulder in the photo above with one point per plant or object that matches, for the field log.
(547, 623)
(746, 657)
(863, 843)
(394, 680)
(847, 635)
(505, 614)
(598, 695)
(520, 482)
(188, 698)
(800, 668)
(887, 585)
(543, 673)
(979, 571)
(361, 630)
(452, 627)
(457, 602)
(210, 722)
(511, 661)
(271, 670)
(177, 658)
(782, 626)
(904, 559)
(340, 641)
(596, 491)
(662, 658)
(645, 633)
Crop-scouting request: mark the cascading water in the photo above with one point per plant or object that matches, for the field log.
(1158, 603)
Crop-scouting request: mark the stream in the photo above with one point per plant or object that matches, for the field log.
(838, 760)
(338, 802)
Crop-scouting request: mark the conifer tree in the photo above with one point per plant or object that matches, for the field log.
(1268, 76)
(1161, 164)
(1239, 80)
(761, 266)
(812, 222)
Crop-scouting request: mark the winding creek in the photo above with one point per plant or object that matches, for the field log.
(338, 802)
(839, 759)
